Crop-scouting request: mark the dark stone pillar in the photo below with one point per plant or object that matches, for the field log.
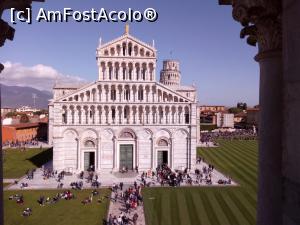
(270, 132)
(262, 22)
(291, 115)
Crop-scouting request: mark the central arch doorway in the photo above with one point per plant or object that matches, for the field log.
(163, 152)
(126, 156)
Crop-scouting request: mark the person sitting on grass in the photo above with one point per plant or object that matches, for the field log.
(100, 200)
(95, 192)
(12, 197)
(68, 195)
(86, 201)
(27, 212)
(20, 200)
(41, 200)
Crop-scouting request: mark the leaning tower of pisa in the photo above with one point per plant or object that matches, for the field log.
(170, 74)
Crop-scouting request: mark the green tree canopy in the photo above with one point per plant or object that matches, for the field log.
(235, 110)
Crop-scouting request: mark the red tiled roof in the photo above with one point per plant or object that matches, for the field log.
(253, 109)
(23, 125)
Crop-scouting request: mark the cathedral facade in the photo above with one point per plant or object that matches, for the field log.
(125, 118)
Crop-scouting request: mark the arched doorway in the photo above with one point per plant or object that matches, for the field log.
(126, 157)
(89, 155)
(162, 152)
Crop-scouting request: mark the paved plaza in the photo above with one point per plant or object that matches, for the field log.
(118, 207)
(106, 179)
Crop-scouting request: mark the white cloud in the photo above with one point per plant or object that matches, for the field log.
(40, 76)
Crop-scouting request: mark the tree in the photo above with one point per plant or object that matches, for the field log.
(24, 119)
(11, 114)
(235, 110)
(242, 105)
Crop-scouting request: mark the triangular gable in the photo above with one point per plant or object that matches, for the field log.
(124, 37)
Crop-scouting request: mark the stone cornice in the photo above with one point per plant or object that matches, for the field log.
(261, 20)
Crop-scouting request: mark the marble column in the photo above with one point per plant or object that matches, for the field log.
(103, 99)
(152, 154)
(172, 153)
(114, 153)
(78, 154)
(122, 94)
(131, 93)
(99, 154)
(109, 115)
(108, 99)
(76, 115)
(122, 115)
(131, 115)
(100, 73)
(144, 94)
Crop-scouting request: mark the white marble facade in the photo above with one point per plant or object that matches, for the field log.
(125, 117)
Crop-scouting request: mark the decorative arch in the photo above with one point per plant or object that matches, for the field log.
(107, 133)
(89, 143)
(149, 131)
(127, 133)
(163, 142)
(163, 132)
(184, 131)
(68, 130)
(89, 133)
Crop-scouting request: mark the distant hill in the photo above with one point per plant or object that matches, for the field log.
(15, 96)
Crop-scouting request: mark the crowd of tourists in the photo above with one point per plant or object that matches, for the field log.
(165, 176)
(21, 144)
(30, 174)
(64, 195)
(130, 198)
(240, 134)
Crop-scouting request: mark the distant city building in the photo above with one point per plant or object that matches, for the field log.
(24, 132)
(225, 120)
(212, 108)
(27, 109)
(7, 121)
(6, 110)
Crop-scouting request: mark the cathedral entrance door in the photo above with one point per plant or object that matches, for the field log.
(126, 157)
(89, 161)
(162, 157)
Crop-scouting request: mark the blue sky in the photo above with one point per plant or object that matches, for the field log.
(201, 34)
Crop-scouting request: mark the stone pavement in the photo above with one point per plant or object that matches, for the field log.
(106, 179)
(118, 207)
(40, 143)
(10, 180)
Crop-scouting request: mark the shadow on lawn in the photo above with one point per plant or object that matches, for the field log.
(41, 158)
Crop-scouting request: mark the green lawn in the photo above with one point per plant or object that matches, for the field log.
(17, 162)
(71, 212)
(211, 205)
